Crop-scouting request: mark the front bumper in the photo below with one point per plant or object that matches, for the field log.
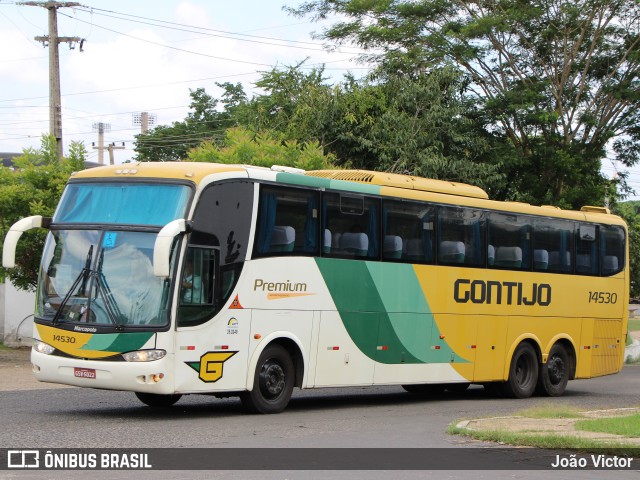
(149, 377)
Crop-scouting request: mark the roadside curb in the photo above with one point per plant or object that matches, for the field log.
(552, 426)
(632, 352)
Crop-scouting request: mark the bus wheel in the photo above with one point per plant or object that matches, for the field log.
(554, 375)
(272, 383)
(425, 388)
(523, 373)
(157, 400)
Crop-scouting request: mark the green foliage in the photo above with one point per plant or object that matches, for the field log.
(626, 426)
(265, 149)
(203, 123)
(551, 441)
(415, 124)
(558, 78)
(33, 187)
(296, 104)
(630, 212)
(418, 125)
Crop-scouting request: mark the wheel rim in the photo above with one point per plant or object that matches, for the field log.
(523, 370)
(556, 369)
(272, 379)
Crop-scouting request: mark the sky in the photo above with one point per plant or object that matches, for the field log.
(145, 56)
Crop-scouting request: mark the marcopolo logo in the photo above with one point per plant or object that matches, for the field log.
(499, 293)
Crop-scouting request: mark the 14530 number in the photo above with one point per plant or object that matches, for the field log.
(603, 297)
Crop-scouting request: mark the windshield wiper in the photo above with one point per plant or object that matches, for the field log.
(110, 303)
(83, 276)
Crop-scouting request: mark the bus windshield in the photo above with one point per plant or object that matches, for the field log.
(101, 278)
(122, 203)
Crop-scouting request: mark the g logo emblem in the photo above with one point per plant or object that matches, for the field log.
(211, 364)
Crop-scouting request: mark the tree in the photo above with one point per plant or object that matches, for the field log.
(417, 124)
(203, 123)
(265, 149)
(33, 187)
(630, 211)
(558, 78)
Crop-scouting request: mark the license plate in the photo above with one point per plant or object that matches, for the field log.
(84, 372)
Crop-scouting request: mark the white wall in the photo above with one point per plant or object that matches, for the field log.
(16, 310)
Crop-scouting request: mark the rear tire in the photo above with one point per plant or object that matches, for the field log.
(156, 400)
(523, 373)
(272, 383)
(554, 375)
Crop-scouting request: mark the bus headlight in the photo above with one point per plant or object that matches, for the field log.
(144, 355)
(42, 347)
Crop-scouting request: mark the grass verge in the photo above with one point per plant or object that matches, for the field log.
(626, 426)
(551, 411)
(548, 441)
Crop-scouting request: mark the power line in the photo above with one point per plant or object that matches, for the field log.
(185, 50)
(173, 48)
(216, 33)
(232, 75)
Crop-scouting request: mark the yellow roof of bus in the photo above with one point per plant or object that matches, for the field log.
(193, 171)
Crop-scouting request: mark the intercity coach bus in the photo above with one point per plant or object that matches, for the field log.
(167, 279)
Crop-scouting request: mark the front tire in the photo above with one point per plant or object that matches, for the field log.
(554, 375)
(272, 383)
(156, 400)
(523, 373)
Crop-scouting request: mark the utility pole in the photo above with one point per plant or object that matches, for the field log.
(52, 40)
(144, 119)
(101, 128)
(111, 148)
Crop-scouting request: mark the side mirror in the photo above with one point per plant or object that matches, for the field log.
(162, 247)
(14, 234)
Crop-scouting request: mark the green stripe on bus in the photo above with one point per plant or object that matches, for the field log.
(408, 311)
(319, 182)
(118, 342)
(389, 319)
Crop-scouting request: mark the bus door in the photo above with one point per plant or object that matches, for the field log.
(212, 328)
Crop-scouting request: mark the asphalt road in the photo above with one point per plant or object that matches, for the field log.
(375, 417)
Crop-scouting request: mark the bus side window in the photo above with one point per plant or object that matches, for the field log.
(407, 231)
(587, 250)
(461, 236)
(353, 223)
(554, 243)
(287, 222)
(612, 249)
(509, 236)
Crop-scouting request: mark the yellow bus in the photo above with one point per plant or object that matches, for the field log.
(168, 279)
